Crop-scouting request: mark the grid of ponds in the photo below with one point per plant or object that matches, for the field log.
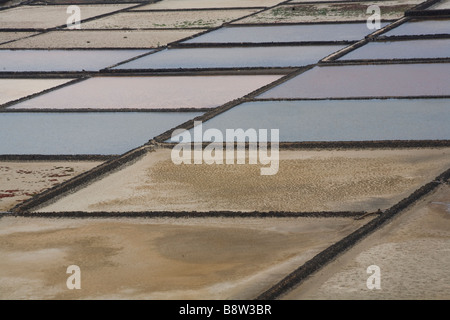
(121, 85)
(191, 62)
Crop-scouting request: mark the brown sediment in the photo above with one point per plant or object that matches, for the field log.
(44, 17)
(416, 242)
(157, 259)
(167, 19)
(20, 180)
(327, 180)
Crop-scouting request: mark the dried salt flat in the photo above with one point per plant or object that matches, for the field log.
(290, 33)
(20, 180)
(167, 19)
(44, 17)
(83, 133)
(326, 180)
(97, 39)
(416, 242)
(158, 258)
(410, 49)
(6, 36)
(328, 12)
(63, 60)
(204, 4)
(340, 120)
(393, 80)
(165, 92)
(13, 89)
(234, 57)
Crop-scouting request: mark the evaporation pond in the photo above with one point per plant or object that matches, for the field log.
(99, 39)
(287, 33)
(63, 60)
(436, 48)
(232, 57)
(163, 92)
(395, 80)
(12, 89)
(339, 120)
(83, 133)
(421, 27)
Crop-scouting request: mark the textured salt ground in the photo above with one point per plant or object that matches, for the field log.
(102, 39)
(9, 36)
(209, 258)
(13, 89)
(170, 19)
(199, 4)
(364, 180)
(412, 251)
(19, 181)
(44, 17)
(353, 11)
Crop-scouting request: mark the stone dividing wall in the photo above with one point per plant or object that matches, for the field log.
(329, 254)
(191, 214)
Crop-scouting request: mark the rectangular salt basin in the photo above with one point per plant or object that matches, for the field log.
(232, 57)
(165, 92)
(13, 89)
(6, 36)
(410, 49)
(329, 12)
(159, 258)
(63, 60)
(44, 17)
(393, 80)
(293, 33)
(339, 120)
(167, 19)
(306, 181)
(421, 27)
(97, 39)
(83, 133)
(203, 4)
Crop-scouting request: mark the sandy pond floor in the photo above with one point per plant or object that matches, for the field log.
(413, 253)
(50, 16)
(354, 180)
(21, 180)
(353, 11)
(170, 19)
(209, 258)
